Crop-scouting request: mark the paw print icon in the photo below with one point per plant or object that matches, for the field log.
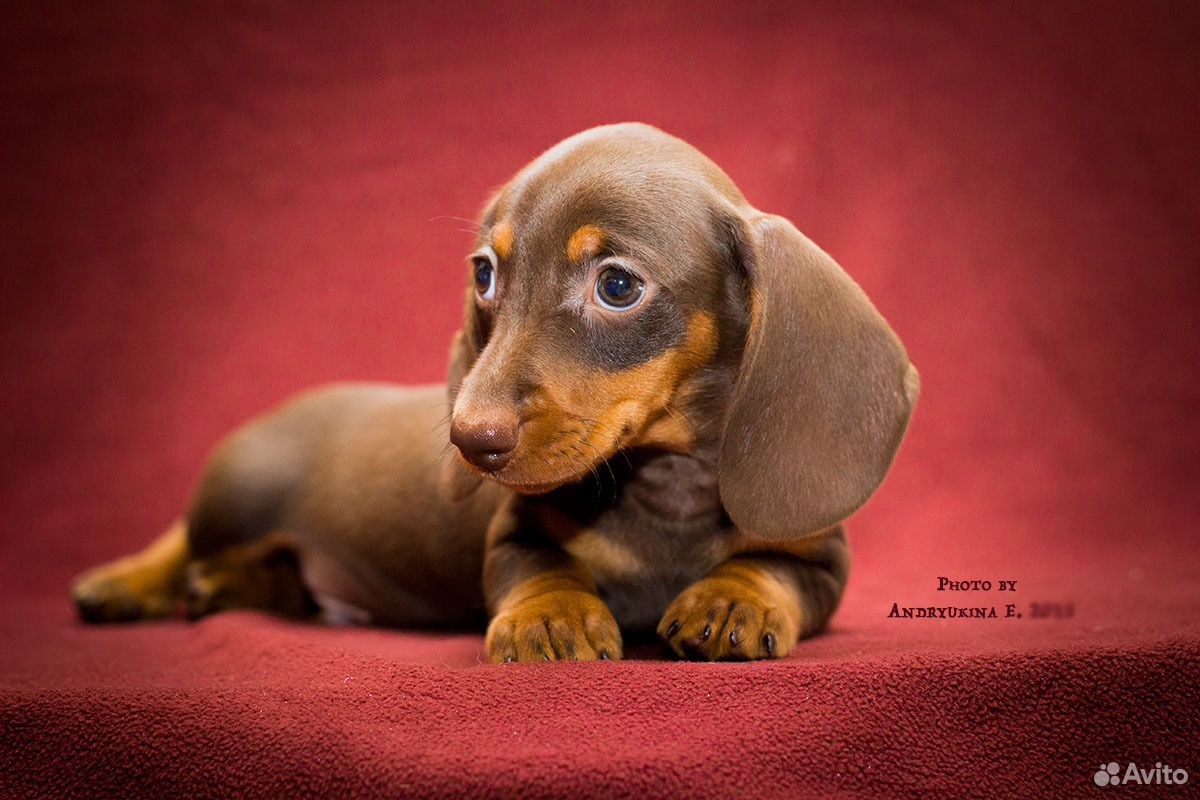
(1107, 774)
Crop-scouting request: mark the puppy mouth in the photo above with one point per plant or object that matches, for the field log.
(571, 456)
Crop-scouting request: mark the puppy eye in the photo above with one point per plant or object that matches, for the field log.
(618, 290)
(485, 279)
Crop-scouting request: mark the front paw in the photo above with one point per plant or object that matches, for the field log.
(727, 618)
(563, 625)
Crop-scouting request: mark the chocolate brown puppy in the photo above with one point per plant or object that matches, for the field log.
(664, 404)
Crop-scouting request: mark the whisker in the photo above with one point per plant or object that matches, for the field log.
(597, 424)
(681, 418)
(677, 417)
(578, 458)
(612, 475)
(443, 423)
(475, 223)
(599, 454)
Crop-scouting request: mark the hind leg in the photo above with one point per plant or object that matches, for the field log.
(262, 575)
(145, 585)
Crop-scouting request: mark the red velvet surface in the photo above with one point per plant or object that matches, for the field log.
(204, 209)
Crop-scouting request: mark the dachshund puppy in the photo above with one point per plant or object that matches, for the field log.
(665, 403)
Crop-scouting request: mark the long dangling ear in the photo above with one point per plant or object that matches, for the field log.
(824, 392)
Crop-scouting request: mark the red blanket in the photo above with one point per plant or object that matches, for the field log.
(204, 210)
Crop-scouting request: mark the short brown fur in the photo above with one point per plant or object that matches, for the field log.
(681, 466)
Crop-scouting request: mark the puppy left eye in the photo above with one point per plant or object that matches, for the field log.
(619, 290)
(485, 279)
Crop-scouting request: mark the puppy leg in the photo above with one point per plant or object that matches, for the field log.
(263, 575)
(760, 602)
(543, 602)
(145, 585)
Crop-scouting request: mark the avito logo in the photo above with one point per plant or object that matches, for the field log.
(1110, 775)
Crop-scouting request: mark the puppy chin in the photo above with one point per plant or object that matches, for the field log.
(529, 482)
(532, 483)
(531, 488)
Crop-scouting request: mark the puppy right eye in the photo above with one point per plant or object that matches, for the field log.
(618, 290)
(485, 279)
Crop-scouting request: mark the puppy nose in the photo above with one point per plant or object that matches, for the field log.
(485, 441)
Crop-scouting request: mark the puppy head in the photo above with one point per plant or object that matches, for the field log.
(622, 294)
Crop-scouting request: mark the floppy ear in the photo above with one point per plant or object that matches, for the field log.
(823, 395)
(456, 482)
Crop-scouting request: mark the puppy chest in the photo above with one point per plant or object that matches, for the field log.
(639, 575)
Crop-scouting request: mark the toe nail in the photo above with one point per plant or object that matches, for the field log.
(735, 637)
(673, 629)
(707, 632)
(769, 643)
(604, 655)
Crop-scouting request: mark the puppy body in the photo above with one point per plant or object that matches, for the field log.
(679, 455)
(348, 479)
(352, 481)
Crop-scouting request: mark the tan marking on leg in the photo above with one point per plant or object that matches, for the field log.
(742, 610)
(819, 579)
(553, 616)
(604, 557)
(145, 585)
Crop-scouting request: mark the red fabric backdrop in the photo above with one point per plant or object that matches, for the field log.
(204, 209)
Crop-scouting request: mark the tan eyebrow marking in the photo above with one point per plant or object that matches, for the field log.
(502, 238)
(585, 242)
